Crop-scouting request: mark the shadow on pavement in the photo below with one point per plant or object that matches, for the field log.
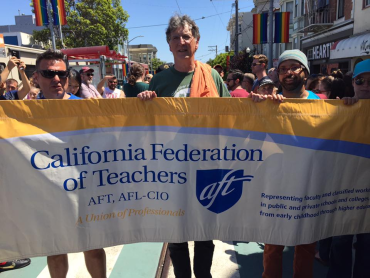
(249, 256)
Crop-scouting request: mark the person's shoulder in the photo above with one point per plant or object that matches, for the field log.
(312, 95)
(71, 96)
(11, 95)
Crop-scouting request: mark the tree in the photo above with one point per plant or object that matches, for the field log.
(242, 61)
(156, 63)
(91, 23)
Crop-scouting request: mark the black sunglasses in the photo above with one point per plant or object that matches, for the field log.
(361, 81)
(52, 73)
(89, 74)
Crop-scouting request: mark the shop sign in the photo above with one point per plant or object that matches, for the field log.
(365, 47)
(321, 51)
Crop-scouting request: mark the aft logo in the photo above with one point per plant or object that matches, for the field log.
(220, 189)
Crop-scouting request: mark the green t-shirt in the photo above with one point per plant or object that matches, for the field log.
(133, 91)
(172, 83)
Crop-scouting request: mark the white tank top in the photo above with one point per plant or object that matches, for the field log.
(108, 93)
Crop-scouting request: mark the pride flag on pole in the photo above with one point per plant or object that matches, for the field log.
(260, 28)
(282, 27)
(124, 68)
(41, 12)
(59, 12)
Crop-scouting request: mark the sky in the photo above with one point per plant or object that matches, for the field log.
(147, 13)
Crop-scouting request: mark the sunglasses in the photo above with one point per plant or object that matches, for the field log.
(228, 80)
(89, 74)
(113, 82)
(52, 73)
(255, 64)
(361, 81)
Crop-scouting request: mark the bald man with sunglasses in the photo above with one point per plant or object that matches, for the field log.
(52, 77)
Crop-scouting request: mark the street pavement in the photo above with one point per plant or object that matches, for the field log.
(140, 260)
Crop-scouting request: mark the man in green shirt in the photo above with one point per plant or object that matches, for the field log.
(183, 38)
(187, 78)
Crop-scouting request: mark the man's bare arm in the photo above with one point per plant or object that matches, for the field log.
(11, 64)
(26, 83)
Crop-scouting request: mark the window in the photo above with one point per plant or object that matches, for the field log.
(295, 45)
(289, 8)
(296, 8)
(302, 7)
(366, 3)
(340, 8)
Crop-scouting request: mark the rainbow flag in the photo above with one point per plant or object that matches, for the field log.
(41, 12)
(125, 69)
(59, 12)
(282, 27)
(260, 28)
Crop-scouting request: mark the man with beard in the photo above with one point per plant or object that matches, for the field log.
(292, 70)
(111, 90)
(87, 89)
(234, 81)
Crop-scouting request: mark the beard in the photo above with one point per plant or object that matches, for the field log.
(292, 83)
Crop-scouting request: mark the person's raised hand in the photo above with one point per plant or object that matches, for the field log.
(147, 95)
(13, 62)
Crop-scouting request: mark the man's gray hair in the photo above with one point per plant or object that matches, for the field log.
(181, 21)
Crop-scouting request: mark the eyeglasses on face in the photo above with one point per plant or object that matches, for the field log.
(255, 64)
(229, 79)
(361, 81)
(89, 74)
(113, 82)
(185, 38)
(293, 69)
(52, 73)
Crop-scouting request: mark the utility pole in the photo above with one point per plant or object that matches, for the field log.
(236, 28)
(271, 33)
(51, 25)
(213, 49)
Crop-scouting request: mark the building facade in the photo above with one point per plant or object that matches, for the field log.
(356, 48)
(142, 53)
(245, 30)
(23, 23)
(326, 22)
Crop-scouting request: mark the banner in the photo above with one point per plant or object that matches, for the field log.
(84, 174)
(260, 28)
(282, 27)
(59, 12)
(41, 12)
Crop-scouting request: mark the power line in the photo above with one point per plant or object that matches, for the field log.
(218, 13)
(165, 24)
(178, 7)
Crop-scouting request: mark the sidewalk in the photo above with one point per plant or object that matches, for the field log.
(244, 260)
(140, 260)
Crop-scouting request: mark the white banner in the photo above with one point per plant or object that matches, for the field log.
(95, 184)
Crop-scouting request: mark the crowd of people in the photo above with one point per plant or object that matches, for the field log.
(190, 78)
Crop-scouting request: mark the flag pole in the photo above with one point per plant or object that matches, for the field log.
(51, 25)
(271, 33)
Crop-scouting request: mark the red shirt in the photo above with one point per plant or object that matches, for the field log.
(239, 93)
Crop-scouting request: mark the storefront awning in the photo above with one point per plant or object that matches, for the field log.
(355, 46)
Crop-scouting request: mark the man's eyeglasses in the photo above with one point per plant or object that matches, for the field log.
(113, 82)
(52, 73)
(255, 64)
(294, 69)
(228, 80)
(89, 74)
(185, 38)
(361, 81)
